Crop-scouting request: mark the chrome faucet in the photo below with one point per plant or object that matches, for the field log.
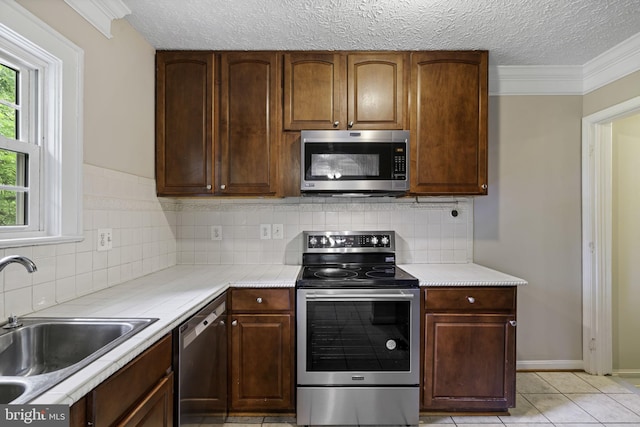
(26, 262)
(13, 321)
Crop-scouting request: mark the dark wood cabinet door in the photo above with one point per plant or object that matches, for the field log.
(261, 363)
(377, 97)
(314, 92)
(78, 413)
(155, 410)
(120, 396)
(249, 123)
(469, 362)
(184, 122)
(449, 101)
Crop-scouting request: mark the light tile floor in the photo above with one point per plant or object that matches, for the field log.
(544, 399)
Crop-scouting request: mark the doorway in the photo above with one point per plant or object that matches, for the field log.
(597, 235)
(625, 268)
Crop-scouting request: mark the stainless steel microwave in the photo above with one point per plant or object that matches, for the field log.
(354, 163)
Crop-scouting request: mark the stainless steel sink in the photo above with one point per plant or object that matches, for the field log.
(10, 391)
(44, 351)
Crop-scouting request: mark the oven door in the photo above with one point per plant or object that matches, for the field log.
(358, 337)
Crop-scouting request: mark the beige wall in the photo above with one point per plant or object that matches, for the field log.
(626, 244)
(529, 223)
(119, 78)
(614, 93)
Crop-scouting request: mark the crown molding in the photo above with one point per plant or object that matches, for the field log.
(619, 61)
(100, 13)
(535, 80)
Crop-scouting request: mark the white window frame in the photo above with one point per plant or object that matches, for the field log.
(28, 142)
(60, 64)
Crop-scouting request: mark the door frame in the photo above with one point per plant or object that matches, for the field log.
(597, 144)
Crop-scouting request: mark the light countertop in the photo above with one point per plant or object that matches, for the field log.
(460, 275)
(175, 294)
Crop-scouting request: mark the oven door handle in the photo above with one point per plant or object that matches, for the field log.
(357, 297)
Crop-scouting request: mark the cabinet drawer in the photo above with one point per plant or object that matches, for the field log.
(260, 299)
(471, 299)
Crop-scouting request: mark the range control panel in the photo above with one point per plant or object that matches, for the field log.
(349, 240)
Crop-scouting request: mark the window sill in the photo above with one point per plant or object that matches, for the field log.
(36, 241)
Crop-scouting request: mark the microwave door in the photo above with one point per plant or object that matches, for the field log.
(354, 167)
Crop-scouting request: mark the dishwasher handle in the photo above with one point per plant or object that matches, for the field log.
(190, 336)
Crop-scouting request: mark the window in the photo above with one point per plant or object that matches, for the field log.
(40, 132)
(20, 152)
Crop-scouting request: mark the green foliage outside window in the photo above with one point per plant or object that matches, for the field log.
(8, 159)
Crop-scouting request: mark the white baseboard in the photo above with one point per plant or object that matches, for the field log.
(627, 372)
(549, 365)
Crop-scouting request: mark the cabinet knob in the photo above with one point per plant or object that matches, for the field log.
(234, 323)
(350, 124)
(222, 187)
(222, 322)
(471, 300)
(259, 300)
(484, 186)
(336, 124)
(209, 187)
(513, 322)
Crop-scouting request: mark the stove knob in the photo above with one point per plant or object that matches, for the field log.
(374, 240)
(323, 240)
(385, 240)
(313, 241)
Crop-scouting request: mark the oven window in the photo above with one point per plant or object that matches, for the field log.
(358, 336)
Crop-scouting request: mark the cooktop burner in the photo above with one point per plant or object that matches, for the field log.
(351, 259)
(360, 276)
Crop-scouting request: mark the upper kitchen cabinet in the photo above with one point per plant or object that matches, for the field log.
(345, 91)
(185, 91)
(448, 123)
(249, 123)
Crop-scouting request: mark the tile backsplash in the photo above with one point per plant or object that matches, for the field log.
(150, 234)
(427, 230)
(143, 242)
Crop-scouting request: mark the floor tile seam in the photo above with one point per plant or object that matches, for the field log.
(608, 397)
(537, 374)
(538, 409)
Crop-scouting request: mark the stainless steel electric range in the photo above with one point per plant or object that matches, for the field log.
(358, 324)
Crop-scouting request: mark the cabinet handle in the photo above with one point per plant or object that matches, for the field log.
(350, 124)
(209, 187)
(471, 300)
(513, 322)
(259, 300)
(222, 187)
(336, 124)
(234, 323)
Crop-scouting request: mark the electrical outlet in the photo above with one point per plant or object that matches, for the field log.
(277, 231)
(265, 231)
(105, 239)
(216, 232)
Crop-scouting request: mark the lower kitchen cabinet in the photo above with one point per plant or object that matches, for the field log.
(261, 359)
(469, 349)
(140, 394)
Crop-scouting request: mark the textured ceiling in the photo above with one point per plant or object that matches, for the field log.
(516, 32)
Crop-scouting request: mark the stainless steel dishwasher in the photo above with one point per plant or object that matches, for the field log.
(200, 363)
